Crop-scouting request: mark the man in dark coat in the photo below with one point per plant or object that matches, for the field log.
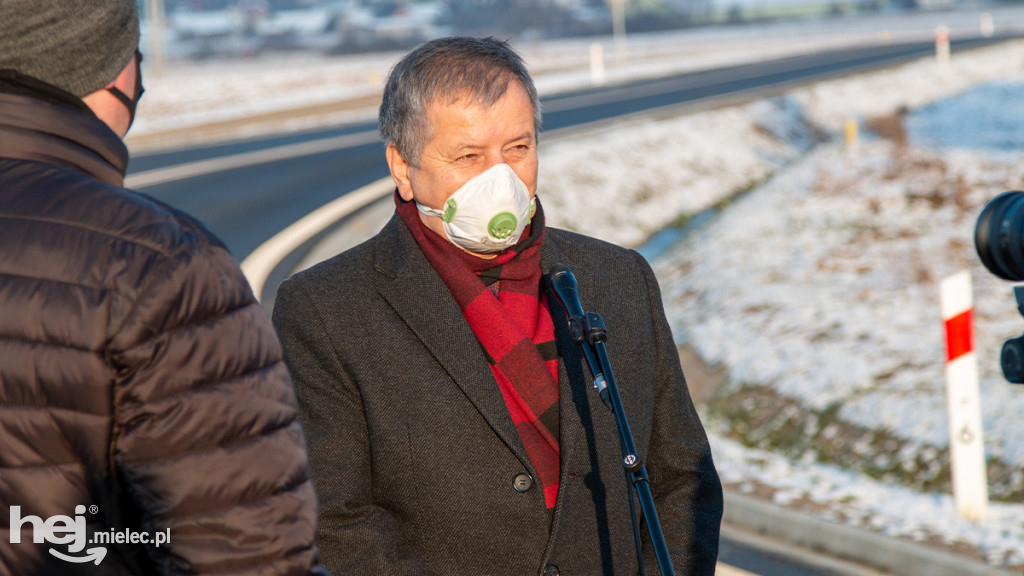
(450, 420)
(147, 421)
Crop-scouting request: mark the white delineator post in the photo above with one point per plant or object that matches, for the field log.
(988, 25)
(967, 451)
(596, 64)
(942, 44)
(155, 16)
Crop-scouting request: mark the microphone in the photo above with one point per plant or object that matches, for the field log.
(563, 284)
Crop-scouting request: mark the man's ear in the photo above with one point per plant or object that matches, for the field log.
(399, 172)
(108, 108)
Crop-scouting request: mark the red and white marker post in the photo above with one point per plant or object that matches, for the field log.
(966, 446)
(942, 44)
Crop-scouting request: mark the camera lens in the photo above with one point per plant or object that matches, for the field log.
(999, 236)
(1012, 360)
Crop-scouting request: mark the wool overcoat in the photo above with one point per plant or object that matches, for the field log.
(417, 465)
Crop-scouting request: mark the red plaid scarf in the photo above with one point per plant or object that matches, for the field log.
(502, 301)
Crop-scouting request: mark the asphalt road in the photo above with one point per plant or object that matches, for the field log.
(247, 205)
(762, 562)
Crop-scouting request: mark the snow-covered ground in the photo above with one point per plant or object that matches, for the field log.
(816, 289)
(819, 290)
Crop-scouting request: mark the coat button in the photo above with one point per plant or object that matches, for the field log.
(551, 570)
(522, 482)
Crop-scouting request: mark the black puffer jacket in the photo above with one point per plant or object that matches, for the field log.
(141, 385)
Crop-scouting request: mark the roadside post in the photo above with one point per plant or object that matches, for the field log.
(596, 64)
(987, 25)
(966, 446)
(619, 28)
(942, 44)
(155, 17)
(850, 133)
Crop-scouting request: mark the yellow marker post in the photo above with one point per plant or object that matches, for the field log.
(850, 130)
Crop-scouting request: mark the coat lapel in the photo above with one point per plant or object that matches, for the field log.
(412, 287)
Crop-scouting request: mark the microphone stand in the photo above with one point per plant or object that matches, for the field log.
(588, 330)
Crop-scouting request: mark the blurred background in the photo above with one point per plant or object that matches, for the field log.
(206, 28)
(802, 175)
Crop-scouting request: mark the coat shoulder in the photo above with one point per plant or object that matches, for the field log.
(333, 284)
(339, 272)
(58, 200)
(594, 253)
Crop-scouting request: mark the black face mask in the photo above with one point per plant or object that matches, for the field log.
(130, 104)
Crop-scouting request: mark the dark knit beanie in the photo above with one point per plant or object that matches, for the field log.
(79, 46)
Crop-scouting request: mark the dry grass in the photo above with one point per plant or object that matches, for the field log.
(890, 127)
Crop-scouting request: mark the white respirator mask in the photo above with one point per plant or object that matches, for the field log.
(488, 213)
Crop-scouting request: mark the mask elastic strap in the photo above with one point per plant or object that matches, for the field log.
(429, 211)
(128, 102)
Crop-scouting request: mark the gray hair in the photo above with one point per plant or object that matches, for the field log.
(447, 69)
